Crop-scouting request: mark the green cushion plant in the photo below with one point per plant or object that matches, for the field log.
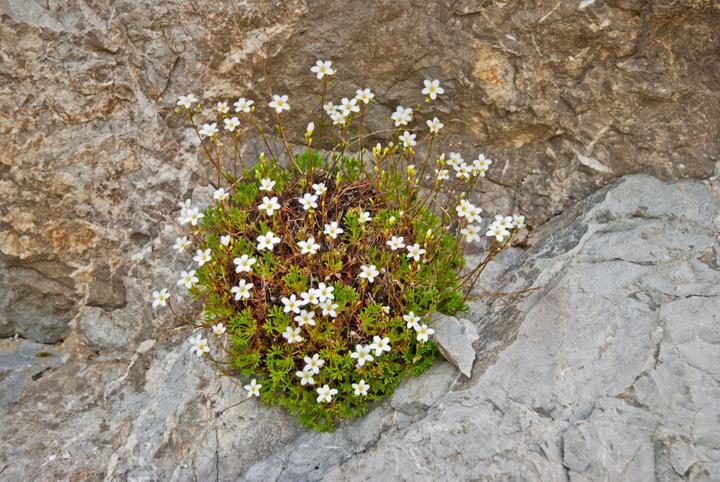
(315, 269)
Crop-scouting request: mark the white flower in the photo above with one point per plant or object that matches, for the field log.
(231, 124)
(181, 244)
(208, 130)
(320, 188)
(192, 216)
(369, 272)
(325, 292)
(160, 297)
(423, 332)
(471, 233)
(408, 139)
(292, 335)
(309, 297)
(338, 118)
(313, 365)
(253, 388)
(380, 345)
(243, 105)
(308, 201)
(225, 240)
(333, 230)
(330, 108)
(220, 194)
(186, 100)
(291, 303)
(269, 205)
(364, 95)
(242, 290)
(474, 215)
(442, 174)
(222, 107)
(360, 388)
(498, 232)
(199, 345)
(468, 211)
(201, 257)
(325, 394)
(187, 279)
(412, 320)
(432, 88)
(464, 208)
(455, 160)
(503, 221)
(267, 184)
(244, 263)
(329, 308)
(305, 318)
(185, 205)
(310, 129)
(434, 125)
(463, 172)
(267, 241)
(322, 68)
(219, 329)
(396, 242)
(279, 103)
(348, 106)
(362, 354)
(481, 165)
(402, 116)
(415, 252)
(364, 217)
(518, 221)
(305, 378)
(309, 246)
(386, 309)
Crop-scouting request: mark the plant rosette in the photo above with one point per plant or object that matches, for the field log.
(316, 271)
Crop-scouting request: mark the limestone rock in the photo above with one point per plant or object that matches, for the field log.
(595, 367)
(607, 369)
(600, 362)
(455, 337)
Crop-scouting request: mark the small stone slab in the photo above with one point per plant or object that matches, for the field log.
(454, 337)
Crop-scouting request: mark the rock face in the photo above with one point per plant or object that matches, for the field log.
(601, 362)
(564, 95)
(607, 370)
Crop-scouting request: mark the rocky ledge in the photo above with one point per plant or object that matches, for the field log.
(598, 358)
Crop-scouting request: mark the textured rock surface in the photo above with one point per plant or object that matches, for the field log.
(607, 370)
(603, 364)
(564, 95)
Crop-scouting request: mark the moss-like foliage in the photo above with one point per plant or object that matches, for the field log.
(364, 310)
(316, 273)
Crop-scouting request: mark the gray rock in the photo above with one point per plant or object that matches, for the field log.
(605, 370)
(23, 362)
(455, 337)
(152, 414)
(416, 394)
(597, 360)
